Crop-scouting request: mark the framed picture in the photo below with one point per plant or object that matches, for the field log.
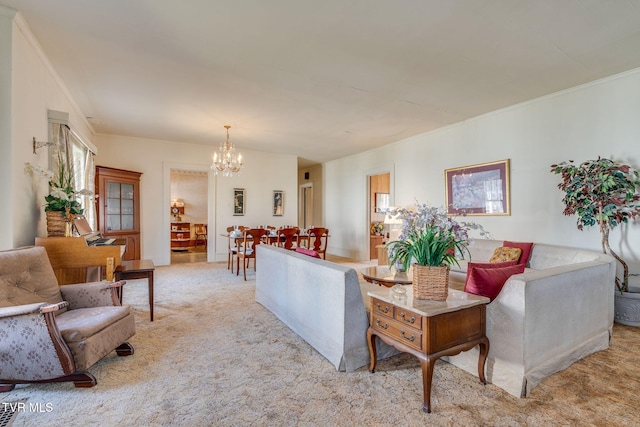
(382, 202)
(478, 189)
(239, 201)
(278, 203)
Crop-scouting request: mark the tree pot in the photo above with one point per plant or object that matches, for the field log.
(627, 307)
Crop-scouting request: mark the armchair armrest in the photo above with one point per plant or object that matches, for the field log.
(35, 325)
(18, 310)
(92, 294)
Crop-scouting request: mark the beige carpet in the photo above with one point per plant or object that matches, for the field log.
(214, 357)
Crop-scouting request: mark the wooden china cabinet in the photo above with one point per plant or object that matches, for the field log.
(118, 207)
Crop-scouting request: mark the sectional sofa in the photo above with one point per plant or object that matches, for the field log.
(320, 301)
(556, 312)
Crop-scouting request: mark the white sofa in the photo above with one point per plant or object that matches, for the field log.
(557, 312)
(320, 301)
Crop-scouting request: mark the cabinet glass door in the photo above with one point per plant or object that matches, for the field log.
(120, 211)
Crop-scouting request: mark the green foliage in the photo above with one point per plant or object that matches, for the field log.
(602, 192)
(62, 196)
(429, 237)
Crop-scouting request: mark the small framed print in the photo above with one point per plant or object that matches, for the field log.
(278, 203)
(239, 201)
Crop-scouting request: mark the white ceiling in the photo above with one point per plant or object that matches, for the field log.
(321, 79)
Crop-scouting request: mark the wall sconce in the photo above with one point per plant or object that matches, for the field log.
(37, 144)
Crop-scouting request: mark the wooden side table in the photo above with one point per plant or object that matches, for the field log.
(138, 269)
(429, 329)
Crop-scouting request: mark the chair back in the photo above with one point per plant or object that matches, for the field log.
(318, 239)
(200, 229)
(251, 238)
(287, 237)
(26, 277)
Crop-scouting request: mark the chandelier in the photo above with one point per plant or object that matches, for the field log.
(226, 160)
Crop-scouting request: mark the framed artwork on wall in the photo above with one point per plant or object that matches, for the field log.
(382, 202)
(278, 203)
(239, 201)
(481, 189)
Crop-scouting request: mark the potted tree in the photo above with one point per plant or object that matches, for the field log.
(604, 192)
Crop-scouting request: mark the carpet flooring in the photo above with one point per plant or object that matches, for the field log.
(214, 357)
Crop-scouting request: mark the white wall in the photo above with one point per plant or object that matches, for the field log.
(597, 119)
(262, 174)
(33, 88)
(6, 168)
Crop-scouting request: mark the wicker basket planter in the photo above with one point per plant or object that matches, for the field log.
(430, 283)
(55, 224)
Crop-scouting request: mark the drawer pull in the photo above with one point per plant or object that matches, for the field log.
(412, 338)
(412, 320)
(386, 308)
(385, 326)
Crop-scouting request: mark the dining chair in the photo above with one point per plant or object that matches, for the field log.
(318, 239)
(200, 231)
(288, 238)
(247, 249)
(232, 246)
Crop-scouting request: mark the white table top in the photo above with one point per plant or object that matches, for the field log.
(455, 301)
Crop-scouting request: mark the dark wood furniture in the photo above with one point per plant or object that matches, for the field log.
(287, 238)
(247, 249)
(429, 329)
(118, 207)
(383, 276)
(318, 240)
(138, 269)
(180, 236)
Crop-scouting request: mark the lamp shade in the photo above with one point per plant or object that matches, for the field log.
(392, 219)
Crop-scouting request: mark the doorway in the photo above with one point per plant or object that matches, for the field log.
(189, 213)
(379, 198)
(306, 206)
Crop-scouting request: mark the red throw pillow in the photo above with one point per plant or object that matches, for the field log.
(309, 252)
(489, 265)
(488, 282)
(526, 250)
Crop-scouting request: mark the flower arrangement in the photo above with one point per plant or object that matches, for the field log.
(430, 237)
(62, 196)
(377, 227)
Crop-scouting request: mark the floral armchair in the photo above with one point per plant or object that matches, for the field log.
(50, 333)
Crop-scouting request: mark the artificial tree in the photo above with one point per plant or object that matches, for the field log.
(601, 191)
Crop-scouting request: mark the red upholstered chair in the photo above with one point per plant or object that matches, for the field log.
(318, 238)
(288, 238)
(247, 249)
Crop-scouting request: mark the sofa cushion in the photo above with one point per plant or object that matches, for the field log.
(82, 323)
(309, 252)
(526, 250)
(488, 282)
(490, 264)
(503, 254)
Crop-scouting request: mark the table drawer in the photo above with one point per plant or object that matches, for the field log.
(398, 331)
(382, 308)
(408, 318)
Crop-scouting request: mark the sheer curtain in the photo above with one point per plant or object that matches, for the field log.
(79, 160)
